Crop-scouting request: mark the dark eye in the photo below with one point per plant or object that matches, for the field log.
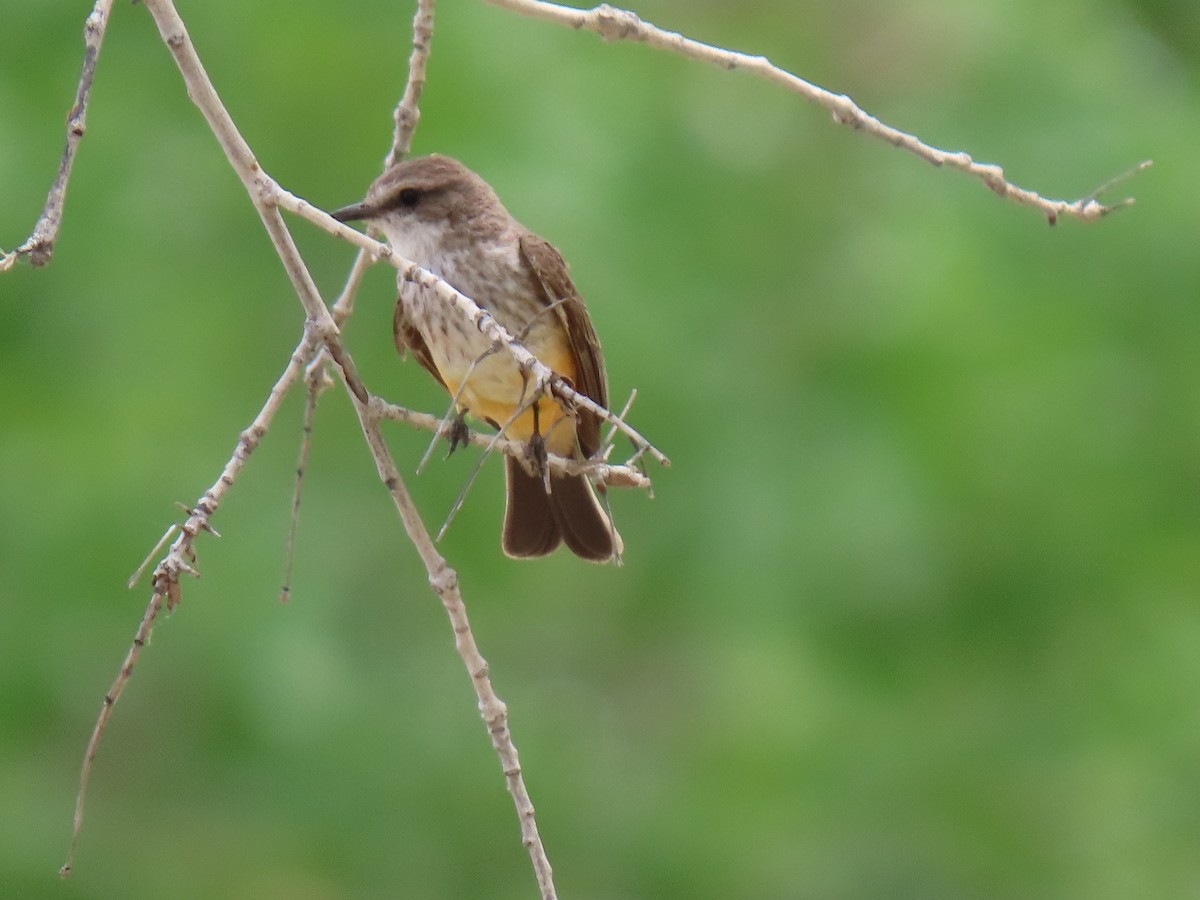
(409, 197)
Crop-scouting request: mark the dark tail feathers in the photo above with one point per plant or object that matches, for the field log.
(536, 522)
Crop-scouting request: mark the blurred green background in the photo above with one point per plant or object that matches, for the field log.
(914, 613)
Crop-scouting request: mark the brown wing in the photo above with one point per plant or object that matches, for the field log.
(551, 272)
(409, 339)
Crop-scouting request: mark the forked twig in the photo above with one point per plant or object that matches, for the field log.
(141, 569)
(609, 440)
(1119, 179)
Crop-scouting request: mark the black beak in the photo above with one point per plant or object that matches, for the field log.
(356, 212)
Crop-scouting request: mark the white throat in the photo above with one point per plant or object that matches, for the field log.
(416, 241)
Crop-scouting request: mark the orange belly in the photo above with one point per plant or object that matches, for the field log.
(495, 390)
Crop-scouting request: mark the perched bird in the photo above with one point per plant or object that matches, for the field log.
(435, 211)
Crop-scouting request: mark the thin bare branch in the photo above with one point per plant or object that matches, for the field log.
(40, 245)
(613, 24)
(343, 307)
(408, 111)
(110, 699)
(616, 476)
(181, 560)
(1120, 179)
(607, 442)
(478, 467)
(444, 581)
(141, 569)
(316, 381)
(447, 425)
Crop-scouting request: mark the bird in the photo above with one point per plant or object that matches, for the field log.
(434, 211)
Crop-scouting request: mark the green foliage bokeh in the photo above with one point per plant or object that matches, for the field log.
(913, 614)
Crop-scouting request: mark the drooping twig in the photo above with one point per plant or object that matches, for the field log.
(613, 24)
(181, 560)
(114, 693)
(316, 379)
(40, 245)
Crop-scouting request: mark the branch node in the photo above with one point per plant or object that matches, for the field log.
(846, 112)
(993, 177)
(250, 438)
(614, 24)
(494, 713)
(444, 581)
(268, 190)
